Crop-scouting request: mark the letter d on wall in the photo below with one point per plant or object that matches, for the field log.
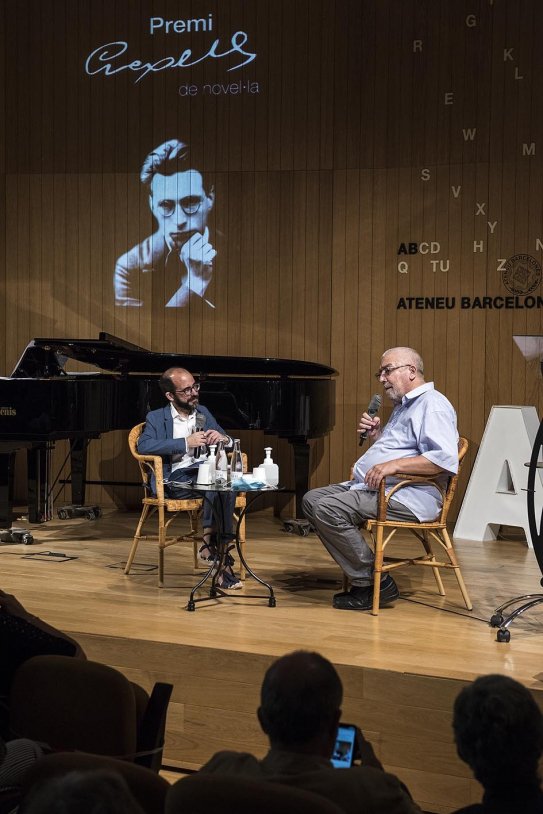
(496, 493)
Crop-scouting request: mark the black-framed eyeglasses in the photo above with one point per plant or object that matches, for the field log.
(186, 391)
(190, 205)
(388, 369)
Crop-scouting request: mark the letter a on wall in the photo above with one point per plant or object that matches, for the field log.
(496, 493)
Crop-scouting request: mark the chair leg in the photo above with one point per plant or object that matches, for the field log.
(137, 536)
(161, 546)
(430, 553)
(193, 517)
(377, 568)
(452, 556)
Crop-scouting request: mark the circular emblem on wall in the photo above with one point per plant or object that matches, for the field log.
(521, 274)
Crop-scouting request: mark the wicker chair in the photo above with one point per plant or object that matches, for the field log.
(167, 509)
(382, 530)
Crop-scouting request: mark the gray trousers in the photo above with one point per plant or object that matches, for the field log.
(335, 513)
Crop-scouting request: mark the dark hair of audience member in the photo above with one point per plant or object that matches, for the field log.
(300, 697)
(498, 729)
(81, 792)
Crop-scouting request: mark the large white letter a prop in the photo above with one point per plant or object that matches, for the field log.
(496, 493)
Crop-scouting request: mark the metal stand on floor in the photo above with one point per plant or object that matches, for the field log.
(503, 620)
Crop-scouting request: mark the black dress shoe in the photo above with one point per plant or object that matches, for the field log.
(362, 598)
(356, 590)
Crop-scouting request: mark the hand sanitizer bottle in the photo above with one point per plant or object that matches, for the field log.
(272, 470)
(212, 461)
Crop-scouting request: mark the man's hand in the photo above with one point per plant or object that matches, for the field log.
(214, 436)
(372, 426)
(416, 465)
(197, 254)
(375, 475)
(197, 439)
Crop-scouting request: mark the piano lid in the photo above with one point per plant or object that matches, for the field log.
(44, 358)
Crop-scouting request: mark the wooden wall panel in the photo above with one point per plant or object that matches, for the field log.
(376, 125)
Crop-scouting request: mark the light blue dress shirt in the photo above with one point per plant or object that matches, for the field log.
(424, 423)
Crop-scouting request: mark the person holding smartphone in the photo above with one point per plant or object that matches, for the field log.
(300, 712)
(176, 263)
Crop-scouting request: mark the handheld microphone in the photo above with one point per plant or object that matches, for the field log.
(199, 424)
(373, 409)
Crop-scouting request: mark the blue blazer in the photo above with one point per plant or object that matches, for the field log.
(157, 436)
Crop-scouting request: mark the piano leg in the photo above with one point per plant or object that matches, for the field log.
(37, 465)
(78, 457)
(7, 469)
(301, 450)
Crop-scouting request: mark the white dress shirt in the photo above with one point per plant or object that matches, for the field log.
(424, 423)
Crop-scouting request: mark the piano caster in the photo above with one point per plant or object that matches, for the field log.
(271, 602)
(16, 536)
(301, 527)
(191, 606)
(90, 512)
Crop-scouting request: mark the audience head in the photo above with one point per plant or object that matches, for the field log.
(81, 792)
(300, 703)
(498, 730)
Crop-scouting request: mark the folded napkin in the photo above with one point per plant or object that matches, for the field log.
(247, 483)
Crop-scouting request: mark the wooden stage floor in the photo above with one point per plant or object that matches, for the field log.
(401, 670)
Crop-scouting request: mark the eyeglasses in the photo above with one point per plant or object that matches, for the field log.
(388, 369)
(186, 391)
(189, 205)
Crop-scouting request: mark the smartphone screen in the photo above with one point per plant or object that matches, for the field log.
(343, 754)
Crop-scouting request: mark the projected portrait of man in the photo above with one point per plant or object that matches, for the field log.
(175, 264)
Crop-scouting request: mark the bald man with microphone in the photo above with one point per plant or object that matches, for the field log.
(420, 438)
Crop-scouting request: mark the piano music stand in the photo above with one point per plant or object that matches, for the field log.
(531, 348)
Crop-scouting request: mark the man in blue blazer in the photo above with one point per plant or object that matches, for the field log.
(175, 432)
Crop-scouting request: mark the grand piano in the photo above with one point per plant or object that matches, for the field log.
(41, 402)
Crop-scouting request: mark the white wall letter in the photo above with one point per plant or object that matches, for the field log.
(495, 495)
